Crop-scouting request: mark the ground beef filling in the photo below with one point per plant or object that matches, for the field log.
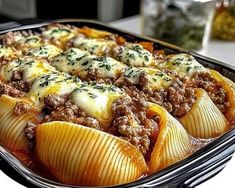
(176, 99)
(61, 108)
(18, 82)
(131, 122)
(10, 38)
(96, 75)
(30, 134)
(216, 92)
(10, 90)
(22, 107)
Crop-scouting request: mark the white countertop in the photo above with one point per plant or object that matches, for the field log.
(220, 50)
(223, 51)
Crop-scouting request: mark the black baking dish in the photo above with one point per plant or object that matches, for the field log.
(202, 165)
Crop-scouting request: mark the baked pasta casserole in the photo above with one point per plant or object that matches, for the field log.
(88, 107)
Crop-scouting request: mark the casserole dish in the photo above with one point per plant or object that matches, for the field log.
(203, 164)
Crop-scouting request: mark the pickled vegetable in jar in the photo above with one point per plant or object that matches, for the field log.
(183, 23)
(223, 26)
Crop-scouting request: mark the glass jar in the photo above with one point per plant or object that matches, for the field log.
(223, 26)
(185, 23)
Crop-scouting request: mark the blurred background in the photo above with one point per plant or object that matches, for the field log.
(103, 10)
(189, 24)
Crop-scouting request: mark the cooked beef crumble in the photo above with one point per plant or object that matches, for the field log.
(96, 75)
(216, 92)
(21, 107)
(30, 134)
(61, 108)
(18, 82)
(131, 122)
(10, 90)
(176, 99)
(10, 37)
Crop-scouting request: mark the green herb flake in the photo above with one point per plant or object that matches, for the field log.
(92, 95)
(33, 39)
(154, 79)
(85, 63)
(188, 69)
(146, 58)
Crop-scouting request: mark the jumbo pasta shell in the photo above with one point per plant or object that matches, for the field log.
(83, 156)
(12, 126)
(173, 143)
(229, 87)
(204, 120)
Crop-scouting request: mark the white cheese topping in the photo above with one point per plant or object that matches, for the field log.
(45, 51)
(156, 78)
(184, 64)
(55, 83)
(79, 62)
(8, 52)
(134, 55)
(61, 33)
(94, 46)
(69, 60)
(96, 100)
(31, 68)
(30, 41)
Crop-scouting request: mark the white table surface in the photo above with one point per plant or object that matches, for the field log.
(224, 51)
(220, 50)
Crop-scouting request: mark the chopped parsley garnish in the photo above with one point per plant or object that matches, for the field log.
(85, 63)
(197, 67)
(80, 58)
(167, 79)
(54, 31)
(33, 39)
(30, 63)
(128, 74)
(102, 59)
(94, 47)
(136, 48)
(131, 55)
(99, 87)
(47, 80)
(44, 83)
(146, 58)
(92, 95)
(154, 79)
(161, 74)
(178, 61)
(188, 69)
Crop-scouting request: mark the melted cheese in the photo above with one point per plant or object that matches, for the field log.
(134, 55)
(61, 33)
(79, 62)
(184, 64)
(31, 68)
(156, 78)
(8, 52)
(54, 83)
(45, 51)
(29, 42)
(96, 100)
(94, 46)
(68, 60)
